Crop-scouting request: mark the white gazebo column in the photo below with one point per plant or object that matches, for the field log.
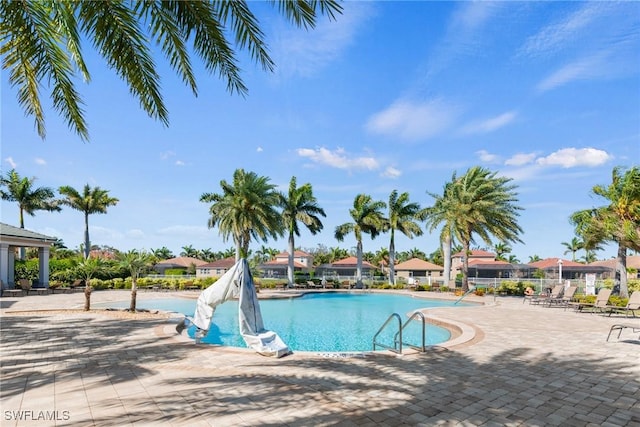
(4, 265)
(43, 264)
(12, 266)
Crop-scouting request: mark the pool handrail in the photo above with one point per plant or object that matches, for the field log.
(397, 339)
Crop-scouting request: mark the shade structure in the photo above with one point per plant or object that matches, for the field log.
(237, 282)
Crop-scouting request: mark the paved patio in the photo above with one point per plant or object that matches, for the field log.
(522, 365)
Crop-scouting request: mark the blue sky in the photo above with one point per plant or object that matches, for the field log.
(392, 95)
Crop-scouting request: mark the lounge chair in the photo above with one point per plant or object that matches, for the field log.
(632, 305)
(556, 292)
(599, 305)
(563, 300)
(619, 327)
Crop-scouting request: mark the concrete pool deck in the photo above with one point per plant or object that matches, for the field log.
(524, 365)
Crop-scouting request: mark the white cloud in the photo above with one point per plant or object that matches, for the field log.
(167, 154)
(572, 157)
(338, 158)
(583, 69)
(11, 162)
(40, 161)
(391, 172)
(487, 157)
(412, 121)
(491, 124)
(179, 163)
(520, 159)
(305, 53)
(259, 150)
(557, 35)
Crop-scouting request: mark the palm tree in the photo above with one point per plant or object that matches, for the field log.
(483, 205)
(299, 205)
(162, 253)
(29, 199)
(43, 41)
(534, 258)
(189, 251)
(91, 201)
(402, 217)
(416, 253)
(135, 263)
(513, 259)
(443, 213)
(501, 249)
(573, 246)
(245, 210)
(618, 221)
(337, 253)
(86, 269)
(368, 218)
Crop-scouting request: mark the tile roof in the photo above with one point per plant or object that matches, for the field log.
(351, 261)
(299, 254)
(220, 263)
(553, 262)
(418, 264)
(476, 253)
(183, 261)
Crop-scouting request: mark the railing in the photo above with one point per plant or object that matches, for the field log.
(398, 342)
(395, 342)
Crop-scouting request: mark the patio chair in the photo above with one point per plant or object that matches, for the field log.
(563, 300)
(632, 305)
(619, 327)
(598, 306)
(556, 292)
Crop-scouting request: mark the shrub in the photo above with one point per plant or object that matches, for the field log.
(480, 292)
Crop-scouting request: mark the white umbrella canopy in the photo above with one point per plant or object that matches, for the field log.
(237, 282)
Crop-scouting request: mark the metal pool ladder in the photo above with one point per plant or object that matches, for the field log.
(397, 339)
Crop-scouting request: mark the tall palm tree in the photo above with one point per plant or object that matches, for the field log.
(367, 218)
(299, 205)
(618, 221)
(416, 253)
(14, 188)
(135, 263)
(573, 247)
(403, 217)
(90, 201)
(245, 210)
(484, 205)
(443, 214)
(45, 41)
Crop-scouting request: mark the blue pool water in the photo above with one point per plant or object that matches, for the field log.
(331, 322)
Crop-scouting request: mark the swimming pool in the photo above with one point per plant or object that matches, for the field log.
(320, 322)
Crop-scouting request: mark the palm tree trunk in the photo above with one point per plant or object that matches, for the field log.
(22, 251)
(446, 254)
(290, 263)
(465, 266)
(87, 244)
(134, 294)
(87, 295)
(359, 264)
(621, 268)
(392, 260)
